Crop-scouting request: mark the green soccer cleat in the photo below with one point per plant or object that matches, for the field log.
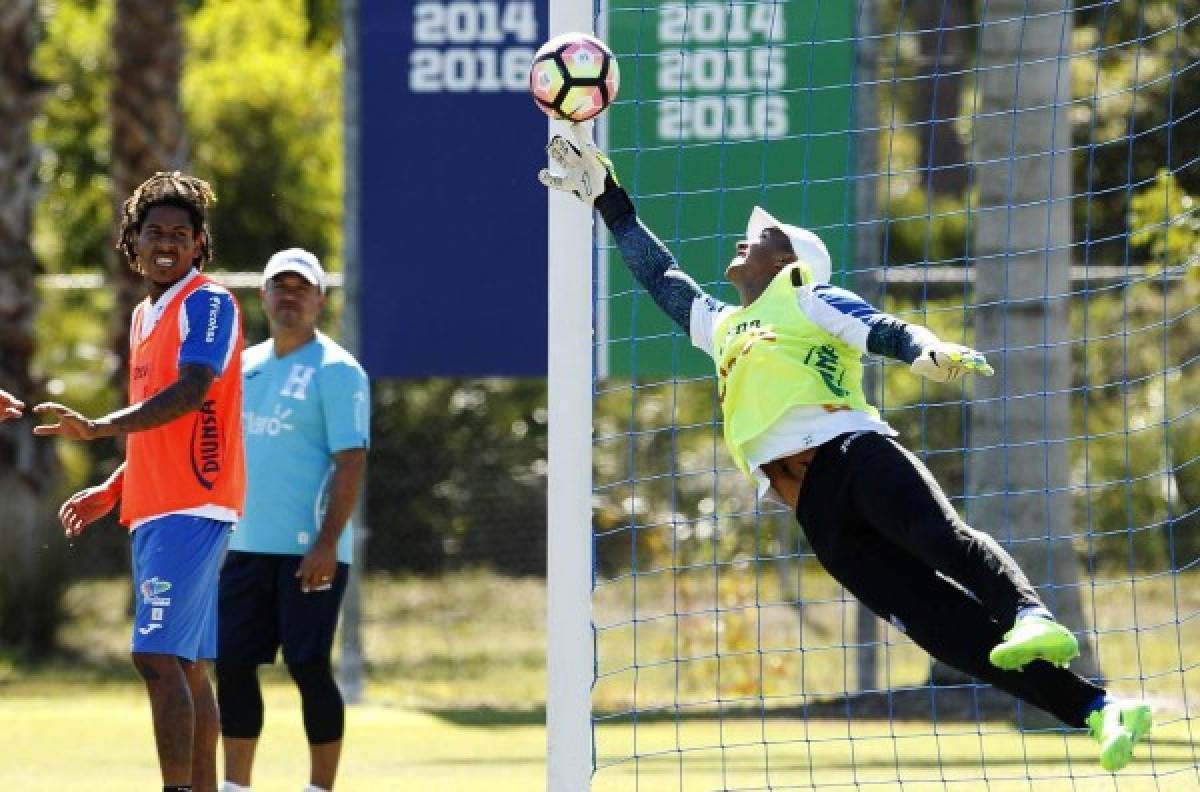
(1034, 638)
(1118, 727)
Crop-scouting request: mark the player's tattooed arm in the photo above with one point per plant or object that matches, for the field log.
(181, 397)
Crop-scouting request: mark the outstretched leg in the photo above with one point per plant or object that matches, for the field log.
(882, 527)
(893, 492)
(890, 490)
(952, 626)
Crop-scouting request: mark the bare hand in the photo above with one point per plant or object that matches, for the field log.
(317, 568)
(84, 508)
(71, 424)
(10, 406)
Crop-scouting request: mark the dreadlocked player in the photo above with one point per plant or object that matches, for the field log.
(796, 420)
(182, 483)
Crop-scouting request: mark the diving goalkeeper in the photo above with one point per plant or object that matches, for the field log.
(796, 420)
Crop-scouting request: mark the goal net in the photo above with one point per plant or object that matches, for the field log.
(1019, 176)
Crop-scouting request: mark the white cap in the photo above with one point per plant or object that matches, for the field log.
(299, 261)
(807, 246)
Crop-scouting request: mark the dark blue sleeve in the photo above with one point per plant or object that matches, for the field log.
(211, 326)
(899, 340)
(886, 335)
(655, 268)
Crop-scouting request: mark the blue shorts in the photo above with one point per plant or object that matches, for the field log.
(176, 564)
(263, 608)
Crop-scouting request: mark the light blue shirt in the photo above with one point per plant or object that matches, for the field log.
(297, 412)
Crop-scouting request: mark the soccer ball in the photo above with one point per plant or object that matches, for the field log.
(574, 77)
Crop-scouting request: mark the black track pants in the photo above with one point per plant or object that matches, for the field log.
(880, 524)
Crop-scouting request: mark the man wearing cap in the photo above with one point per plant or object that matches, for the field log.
(306, 422)
(797, 422)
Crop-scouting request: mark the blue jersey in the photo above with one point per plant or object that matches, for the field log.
(207, 325)
(297, 412)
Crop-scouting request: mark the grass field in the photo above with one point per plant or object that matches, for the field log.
(455, 697)
(101, 742)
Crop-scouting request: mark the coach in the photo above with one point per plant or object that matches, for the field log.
(305, 419)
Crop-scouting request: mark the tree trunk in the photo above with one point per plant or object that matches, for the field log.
(943, 38)
(32, 550)
(352, 668)
(867, 266)
(147, 126)
(1019, 463)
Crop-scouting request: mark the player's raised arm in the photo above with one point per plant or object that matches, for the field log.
(585, 172)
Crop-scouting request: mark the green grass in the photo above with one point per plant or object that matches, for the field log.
(758, 630)
(791, 755)
(456, 689)
(101, 742)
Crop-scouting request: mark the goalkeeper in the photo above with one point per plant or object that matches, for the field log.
(789, 377)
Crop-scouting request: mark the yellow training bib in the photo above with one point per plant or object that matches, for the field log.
(770, 358)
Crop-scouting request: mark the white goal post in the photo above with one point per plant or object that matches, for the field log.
(569, 641)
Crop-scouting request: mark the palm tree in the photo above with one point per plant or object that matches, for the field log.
(147, 124)
(1020, 421)
(31, 553)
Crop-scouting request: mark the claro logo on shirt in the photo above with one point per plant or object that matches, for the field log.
(206, 445)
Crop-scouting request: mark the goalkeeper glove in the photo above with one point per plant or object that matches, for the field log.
(583, 170)
(945, 362)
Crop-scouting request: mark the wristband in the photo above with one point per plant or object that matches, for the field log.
(614, 204)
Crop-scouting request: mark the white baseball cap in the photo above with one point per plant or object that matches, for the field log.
(299, 261)
(807, 246)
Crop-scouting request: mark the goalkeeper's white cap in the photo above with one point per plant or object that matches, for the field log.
(807, 246)
(299, 261)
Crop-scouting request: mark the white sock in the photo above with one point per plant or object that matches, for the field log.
(1035, 610)
(313, 788)
(229, 786)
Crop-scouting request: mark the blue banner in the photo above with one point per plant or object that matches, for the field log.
(452, 218)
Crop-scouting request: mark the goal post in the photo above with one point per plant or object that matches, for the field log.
(569, 646)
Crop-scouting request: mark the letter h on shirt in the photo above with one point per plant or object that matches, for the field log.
(297, 381)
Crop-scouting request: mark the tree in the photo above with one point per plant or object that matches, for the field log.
(147, 124)
(1019, 465)
(944, 36)
(458, 475)
(29, 584)
(73, 228)
(263, 107)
